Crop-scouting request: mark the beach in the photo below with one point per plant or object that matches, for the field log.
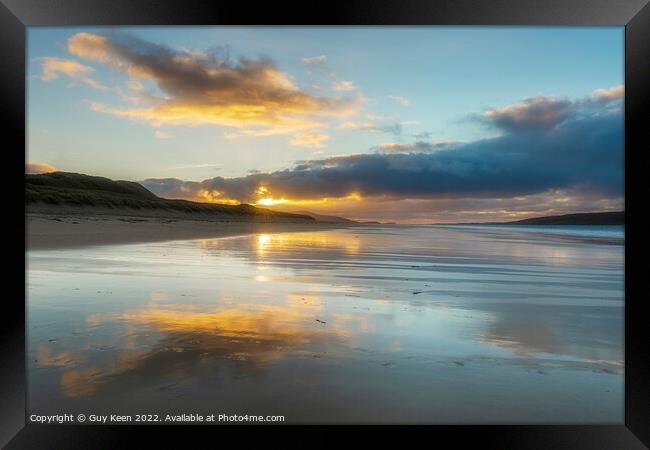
(322, 225)
(58, 231)
(370, 324)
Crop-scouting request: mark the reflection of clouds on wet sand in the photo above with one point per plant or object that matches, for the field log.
(47, 356)
(583, 334)
(522, 338)
(80, 381)
(194, 338)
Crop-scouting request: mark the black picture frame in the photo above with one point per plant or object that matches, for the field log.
(16, 15)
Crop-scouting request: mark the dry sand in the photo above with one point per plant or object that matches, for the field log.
(56, 231)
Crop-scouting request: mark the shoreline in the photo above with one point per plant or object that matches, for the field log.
(65, 231)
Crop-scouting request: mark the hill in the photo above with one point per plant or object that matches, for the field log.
(599, 218)
(65, 192)
(58, 182)
(325, 218)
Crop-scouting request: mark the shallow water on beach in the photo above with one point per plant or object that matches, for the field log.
(432, 324)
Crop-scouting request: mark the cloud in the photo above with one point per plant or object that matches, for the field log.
(310, 140)
(344, 86)
(402, 101)
(314, 59)
(543, 113)
(53, 67)
(583, 152)
(415, 147)
(174, 188)
(33, 168)
(534, 113)
(609, 94)
(392, 128)
(207, 88)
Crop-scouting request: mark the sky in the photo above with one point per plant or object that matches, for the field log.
(401, 124)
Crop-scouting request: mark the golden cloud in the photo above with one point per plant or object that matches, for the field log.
(53, 67)
(203, 88)
(311, 140)
(33, 168)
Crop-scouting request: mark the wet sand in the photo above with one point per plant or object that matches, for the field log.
(383, 324)
(57, 231)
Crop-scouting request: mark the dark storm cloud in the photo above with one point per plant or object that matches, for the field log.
(584, 149)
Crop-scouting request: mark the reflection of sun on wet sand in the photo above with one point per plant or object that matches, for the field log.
(290, 241)
(266, 242)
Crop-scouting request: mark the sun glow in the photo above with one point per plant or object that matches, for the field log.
(271, 201)
(266, 198)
